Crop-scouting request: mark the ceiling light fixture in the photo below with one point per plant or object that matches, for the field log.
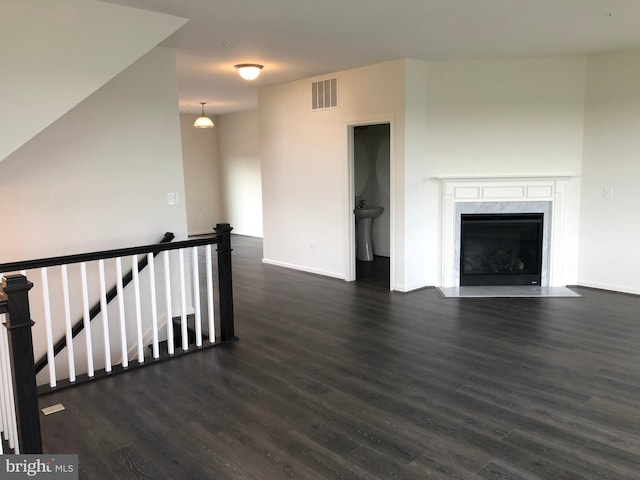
(203, 121)
(249, 71)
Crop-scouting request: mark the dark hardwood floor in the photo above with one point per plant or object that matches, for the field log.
(348, 380)
(375, 274)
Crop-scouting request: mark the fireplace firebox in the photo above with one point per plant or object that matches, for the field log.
(501, 249)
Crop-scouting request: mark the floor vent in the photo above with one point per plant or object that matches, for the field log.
(324, 94)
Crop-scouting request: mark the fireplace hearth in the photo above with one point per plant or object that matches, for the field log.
(501, 249)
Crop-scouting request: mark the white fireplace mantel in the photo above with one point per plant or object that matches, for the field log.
(510, 195)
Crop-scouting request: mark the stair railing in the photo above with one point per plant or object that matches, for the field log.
(94, 311)
(18, 390)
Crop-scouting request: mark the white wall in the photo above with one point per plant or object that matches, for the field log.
(201, 175)
(240, 171)
(305, 164)
(420, 219)
(56, 53)
(460, 118)
(503, 118)
(610, 228)
(493, 117)
(98, 177)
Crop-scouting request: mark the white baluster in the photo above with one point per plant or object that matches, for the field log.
(167, 288)
(86, 319)
(68, 327)
(196, 295)
(47, 322)
(2, 402)
(183, 302)
(123, 326)
(136, 288)
(4, 406)
(154, 307)
(210, 310)
(105, 318)
(12, 429)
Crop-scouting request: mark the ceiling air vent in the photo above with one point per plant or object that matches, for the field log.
(324, 94)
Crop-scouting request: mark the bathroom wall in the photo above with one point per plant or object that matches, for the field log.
(372, 171)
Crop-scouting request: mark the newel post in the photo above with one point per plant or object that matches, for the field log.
(225, 282)
(18, 324)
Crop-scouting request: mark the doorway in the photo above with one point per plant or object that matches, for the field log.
(370, 187)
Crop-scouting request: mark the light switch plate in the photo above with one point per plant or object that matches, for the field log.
(172, 198)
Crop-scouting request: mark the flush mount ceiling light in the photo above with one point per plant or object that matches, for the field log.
(203, 121)
(249, 71)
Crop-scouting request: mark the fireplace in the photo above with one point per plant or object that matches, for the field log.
(501, 248)
(513, 196)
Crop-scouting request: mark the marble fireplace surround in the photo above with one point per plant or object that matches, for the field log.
(503, 195)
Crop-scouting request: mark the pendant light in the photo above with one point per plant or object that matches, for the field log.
(249, 71)
(203, 121)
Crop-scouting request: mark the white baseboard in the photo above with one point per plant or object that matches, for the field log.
(608, 286)
(410, 288)
(302, 268)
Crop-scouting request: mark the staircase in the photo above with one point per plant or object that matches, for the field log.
(177, 339)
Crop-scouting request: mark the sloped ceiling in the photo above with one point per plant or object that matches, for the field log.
(55, 53)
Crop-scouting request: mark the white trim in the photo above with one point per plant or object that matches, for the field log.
(304, 269)
(447, 178)
(411, 288)
(457, 190)
(351, 240)
(607, 286)
(351, 202)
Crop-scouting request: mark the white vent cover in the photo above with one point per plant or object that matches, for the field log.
(324, 94)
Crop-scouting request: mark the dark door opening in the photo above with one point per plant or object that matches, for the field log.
(372, 201)
(501, 249)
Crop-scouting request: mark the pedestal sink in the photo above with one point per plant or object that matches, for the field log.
(364, 220)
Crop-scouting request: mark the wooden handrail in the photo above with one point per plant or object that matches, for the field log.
(103, 255)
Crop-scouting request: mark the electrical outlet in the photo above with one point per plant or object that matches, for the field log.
(172, 198)
(312, 246)
(607, 192)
